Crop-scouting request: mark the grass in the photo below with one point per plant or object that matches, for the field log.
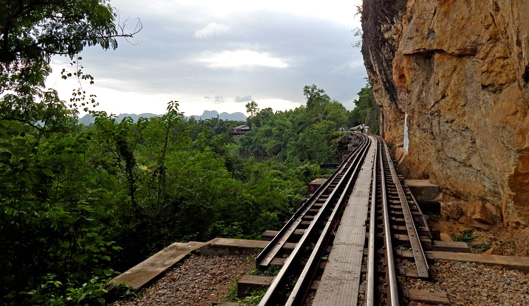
(479, 247)
(433, 218)
(468, 237)
(465, 236)
(253, 299)
(233, 293)
(270, 271)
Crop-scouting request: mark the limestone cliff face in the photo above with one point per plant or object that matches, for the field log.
(459, 69)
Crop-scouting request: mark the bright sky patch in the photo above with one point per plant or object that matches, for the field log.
(212, 29)
(243, 58)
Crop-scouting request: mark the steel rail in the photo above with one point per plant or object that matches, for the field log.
(390, 260)
(271, 295)
(271, 250)
(370, 291)
(423, 220)
(300, 288)
(418, 253)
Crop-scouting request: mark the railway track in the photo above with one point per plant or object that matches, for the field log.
(339, 246)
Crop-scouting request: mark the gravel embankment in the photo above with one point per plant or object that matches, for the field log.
(469, 283)
(199, 280)
(202, 280)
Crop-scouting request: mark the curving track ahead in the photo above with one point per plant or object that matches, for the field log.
(322, 256)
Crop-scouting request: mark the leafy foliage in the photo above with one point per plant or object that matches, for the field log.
(32, 31)
(79, 202)
(308, 134)
(366, 110)
(467, 235)
(253, 298)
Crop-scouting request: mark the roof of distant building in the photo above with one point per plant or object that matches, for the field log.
(241, 128)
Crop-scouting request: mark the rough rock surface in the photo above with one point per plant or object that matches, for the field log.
(459, 70)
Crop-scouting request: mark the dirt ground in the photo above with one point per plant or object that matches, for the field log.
(500, 240)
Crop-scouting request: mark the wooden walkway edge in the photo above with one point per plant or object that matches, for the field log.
(146, 271)
(341, 278)
(513, 262)
(150, 269)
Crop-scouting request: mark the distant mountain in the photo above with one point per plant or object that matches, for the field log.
(207, 114)
(89, 119)
(135, 117)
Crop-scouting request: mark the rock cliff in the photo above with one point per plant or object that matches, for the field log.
(457, 72)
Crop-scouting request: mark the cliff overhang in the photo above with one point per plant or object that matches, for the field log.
(456, 74)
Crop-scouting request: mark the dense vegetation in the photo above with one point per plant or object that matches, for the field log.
(366, 110)
(79, 202)
(307, 133)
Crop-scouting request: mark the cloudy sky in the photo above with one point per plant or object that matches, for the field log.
(219, 55)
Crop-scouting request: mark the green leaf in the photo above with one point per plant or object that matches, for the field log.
(47, 172)
(109, 272)
(5, 156)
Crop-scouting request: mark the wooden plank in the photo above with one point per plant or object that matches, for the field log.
(268, 235)
(411, 273)
(513, 262)
(341, 278)
(289, 245)
(143, 273)
(249, 283)
(298, 232)
(404, 239)
(278, 261)
(409, 254)
(450, 246)
(424, 296)
(228, 246)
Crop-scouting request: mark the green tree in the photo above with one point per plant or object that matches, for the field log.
(314, 95)
(300, 135)
(252, 108)
(366, 110)
(33, 31)
(321, 107)
(79, 201)
(53, 214)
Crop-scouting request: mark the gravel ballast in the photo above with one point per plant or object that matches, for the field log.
(202, 280)
(198, 280)
(468, 283)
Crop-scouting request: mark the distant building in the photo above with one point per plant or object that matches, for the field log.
(240, 130)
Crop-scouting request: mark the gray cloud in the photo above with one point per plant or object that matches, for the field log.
(318, 51)
(218, 99)
(246, 98)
